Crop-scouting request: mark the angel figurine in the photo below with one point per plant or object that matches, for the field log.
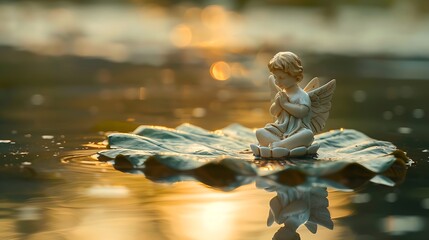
(299, 113)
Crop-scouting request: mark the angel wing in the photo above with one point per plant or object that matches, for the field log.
(320, 216)
(313, 84)
(320, 102)
(319, 213)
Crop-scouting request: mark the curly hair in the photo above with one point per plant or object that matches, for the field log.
(289, 62)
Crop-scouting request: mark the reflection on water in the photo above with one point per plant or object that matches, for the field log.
(296, 206)
(94, 202)
(90, 199)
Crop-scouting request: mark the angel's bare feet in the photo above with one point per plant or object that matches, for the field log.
(265, 138)
(303, 138)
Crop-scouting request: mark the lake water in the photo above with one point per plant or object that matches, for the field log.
(52, 187)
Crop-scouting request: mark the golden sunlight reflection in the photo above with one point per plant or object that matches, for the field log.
(99, 223)
(220, 71)
(339, 204)
(201, 213)
(181, 36)
(107, 191)
(117, 206)
(213, 220)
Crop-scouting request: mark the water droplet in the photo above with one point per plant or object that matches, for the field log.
(47, 137)
(405, 130)
(399, 225)
(199, 112)
(418, 113)
(19, 153)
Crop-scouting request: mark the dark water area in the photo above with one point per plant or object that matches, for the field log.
(56, 111)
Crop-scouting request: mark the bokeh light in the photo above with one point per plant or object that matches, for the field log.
(181, 36)
(214, 16)
(220, 71)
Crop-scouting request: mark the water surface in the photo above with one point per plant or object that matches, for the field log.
(58, 106)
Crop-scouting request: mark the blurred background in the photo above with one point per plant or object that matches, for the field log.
(70, 71)
(113, 65)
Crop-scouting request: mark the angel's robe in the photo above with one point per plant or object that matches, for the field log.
(286, 124)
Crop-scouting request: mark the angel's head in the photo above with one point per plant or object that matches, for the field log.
(286, 68)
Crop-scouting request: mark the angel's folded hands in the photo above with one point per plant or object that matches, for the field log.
(297, 110)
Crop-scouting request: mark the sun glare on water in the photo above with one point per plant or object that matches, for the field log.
(220, 71)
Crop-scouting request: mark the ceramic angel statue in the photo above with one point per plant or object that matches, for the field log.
(299, 113)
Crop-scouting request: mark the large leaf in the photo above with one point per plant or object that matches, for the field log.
(346, 158)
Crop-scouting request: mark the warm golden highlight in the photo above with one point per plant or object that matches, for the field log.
(288, 62)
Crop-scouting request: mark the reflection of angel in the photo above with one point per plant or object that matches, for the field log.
(295, 206)
(299, 113)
